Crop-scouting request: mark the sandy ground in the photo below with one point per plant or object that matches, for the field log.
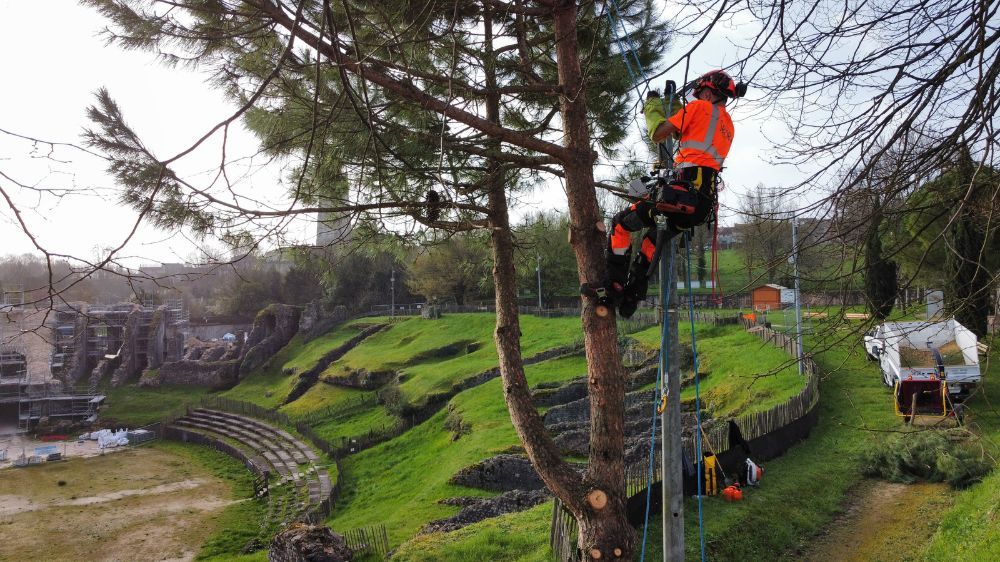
(16, 445)
(883, 522)
(139, 504)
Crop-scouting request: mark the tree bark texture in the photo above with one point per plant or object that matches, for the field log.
(605, 533)
(557, 475)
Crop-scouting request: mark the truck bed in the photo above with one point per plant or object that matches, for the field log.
(951, 354)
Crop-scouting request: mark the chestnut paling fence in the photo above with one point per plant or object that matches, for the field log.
(563, 532)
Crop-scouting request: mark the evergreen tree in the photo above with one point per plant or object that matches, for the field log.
(955, 237)
(381, 104)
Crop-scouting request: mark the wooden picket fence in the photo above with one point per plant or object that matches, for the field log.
(563, 533)
(366, 541)
(245, 408)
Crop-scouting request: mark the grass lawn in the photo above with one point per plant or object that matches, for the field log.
(970, 531)
(426, 355)
(741, 373)
(511, 537)
(239, 522)
(137, 406)
(426, 457)
(434, 355)
(405, 497)
(802, 490)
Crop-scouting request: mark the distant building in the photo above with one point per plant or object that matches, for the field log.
(766, 297)
(729, 237)
(171, 269)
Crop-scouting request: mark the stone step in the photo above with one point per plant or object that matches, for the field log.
(263, 441)
(307, 451)
(271, 452)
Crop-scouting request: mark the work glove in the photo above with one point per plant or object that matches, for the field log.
(655, 111)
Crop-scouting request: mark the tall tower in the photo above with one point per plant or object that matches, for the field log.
(332, 228)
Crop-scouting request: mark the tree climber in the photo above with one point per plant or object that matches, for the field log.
(705, 131)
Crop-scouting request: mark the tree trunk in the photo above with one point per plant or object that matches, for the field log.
(557, 475)
(605, 532)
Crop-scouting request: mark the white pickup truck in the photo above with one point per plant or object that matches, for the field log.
(925, 363)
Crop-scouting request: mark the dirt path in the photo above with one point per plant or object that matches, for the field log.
(883, 521)
(11, 505)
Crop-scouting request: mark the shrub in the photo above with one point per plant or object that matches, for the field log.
(455, 424)
(931, 455)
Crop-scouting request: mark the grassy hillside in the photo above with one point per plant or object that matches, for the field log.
(270, 384)
(754, 375)
(803, 490)
(431, 356)
(399, 482)
(135, 406)
(424, 458)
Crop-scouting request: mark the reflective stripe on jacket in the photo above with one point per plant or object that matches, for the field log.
(706, 134)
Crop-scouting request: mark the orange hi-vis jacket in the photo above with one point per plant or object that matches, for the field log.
(706, 133)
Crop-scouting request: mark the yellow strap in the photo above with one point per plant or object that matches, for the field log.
(662, 405)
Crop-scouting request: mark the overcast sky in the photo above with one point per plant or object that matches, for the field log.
(51, 73)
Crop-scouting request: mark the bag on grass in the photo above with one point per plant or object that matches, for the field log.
(752, 473)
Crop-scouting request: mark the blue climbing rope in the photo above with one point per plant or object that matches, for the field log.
(616, 21)
(697, 392)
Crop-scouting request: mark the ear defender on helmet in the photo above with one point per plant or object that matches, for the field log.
(741, 89)
(720, 82)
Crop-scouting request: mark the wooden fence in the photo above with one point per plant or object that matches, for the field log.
(245, 408)
(563, 531)
(343, 407)
(368, 541)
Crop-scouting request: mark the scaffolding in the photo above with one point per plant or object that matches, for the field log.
(12, 298)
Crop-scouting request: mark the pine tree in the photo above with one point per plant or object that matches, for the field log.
(381, 103)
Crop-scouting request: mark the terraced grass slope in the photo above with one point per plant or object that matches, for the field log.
(755, 376)
(270, 385)
(425, 457)
(431, 357)
(399, 483)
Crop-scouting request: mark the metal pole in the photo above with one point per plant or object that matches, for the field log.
(538, 272)
(392, 294)
(798, 297)
(672, 483)
(673, 476)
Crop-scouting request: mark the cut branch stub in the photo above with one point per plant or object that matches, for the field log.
(597, 499)
(595, 554)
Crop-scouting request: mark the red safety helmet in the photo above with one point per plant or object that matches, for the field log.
(718, 81)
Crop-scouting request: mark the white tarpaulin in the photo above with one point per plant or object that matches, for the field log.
(107, 438)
